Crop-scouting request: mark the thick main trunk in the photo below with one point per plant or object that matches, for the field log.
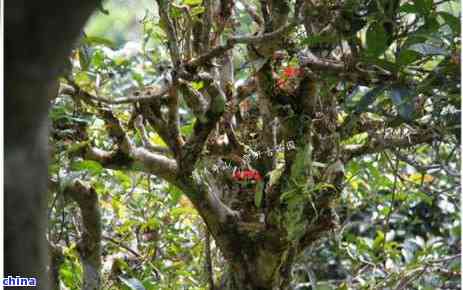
(256, 275)
(262, 264)
(39, 35)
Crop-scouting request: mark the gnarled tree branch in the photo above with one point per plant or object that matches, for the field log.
(89, 246)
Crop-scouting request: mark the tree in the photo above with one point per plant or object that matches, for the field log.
(37, 40)
(257, 123)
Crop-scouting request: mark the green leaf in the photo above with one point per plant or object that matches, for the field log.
(187, 129)
(183, 211)
(192, 2)
(401, 96)
(376, 39)
(137, 166)
(428, 49)
(91, 166)
(97, 59)
(132, 283)
(424, 6)
(123, 179)
(259, 194)
(175, 193)
(409, 8)
(452, 21)
(96, 40)
(420, 196)
(407, 57)
(368, 99)
(378, 242)
(197, 85)
(431, 24)
(83, 79)
(197, 10)
(156, 139)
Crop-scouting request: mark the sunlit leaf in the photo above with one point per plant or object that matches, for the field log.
(90, 166)
(97, 40)
(451, 21)
(124, 180)
(428, 49)
(132, 283)
(192, 2)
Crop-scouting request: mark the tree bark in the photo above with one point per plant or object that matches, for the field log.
(89, 246)
(265, 271)
(56, 260)
(38, 37)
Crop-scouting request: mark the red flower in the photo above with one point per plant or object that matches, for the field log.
(237, 175)
(248, 175)
(291, 72)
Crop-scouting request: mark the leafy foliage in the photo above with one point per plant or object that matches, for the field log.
(397, 222)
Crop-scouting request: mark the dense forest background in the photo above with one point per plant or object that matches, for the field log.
(203, 144)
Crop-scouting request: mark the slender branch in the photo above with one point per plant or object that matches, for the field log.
(420, 167)
(118, 101)
(345, 71)
(266, 37)
(122, 245)
(128, 153)
(378, 143)
(201, 130)
(232, 41)
(151, 162)
(164, 7)
(156, 164)
(207, 24)
(173, 119)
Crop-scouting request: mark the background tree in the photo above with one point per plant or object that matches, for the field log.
(306, 135)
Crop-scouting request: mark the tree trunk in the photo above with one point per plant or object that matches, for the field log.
(39, 35)
(257, 262)
(265, 271)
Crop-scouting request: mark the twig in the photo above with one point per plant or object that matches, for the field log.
(122, 245)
